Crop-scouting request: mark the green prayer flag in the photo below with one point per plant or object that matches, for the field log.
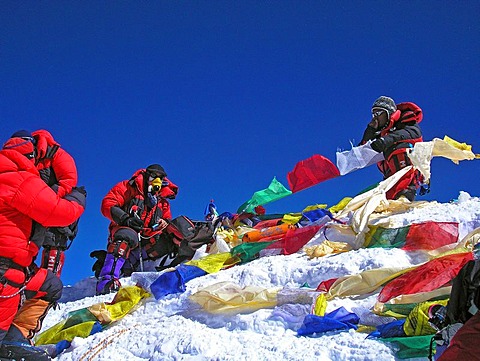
(248, 251)
(275, 191)
(410, 347)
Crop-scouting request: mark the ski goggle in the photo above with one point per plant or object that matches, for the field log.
(164, 182)
(30, 139)
(152, 177)
(156, 175)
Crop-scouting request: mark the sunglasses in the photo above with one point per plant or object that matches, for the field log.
(377, 113)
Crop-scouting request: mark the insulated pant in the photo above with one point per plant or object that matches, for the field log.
(118, 251)
(41, 291)
(54, 244)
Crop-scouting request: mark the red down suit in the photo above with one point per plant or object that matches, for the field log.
(24, 198)
(124, 193)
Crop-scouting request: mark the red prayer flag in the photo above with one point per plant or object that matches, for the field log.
(427, 277)
(430, 235)
(311, 171)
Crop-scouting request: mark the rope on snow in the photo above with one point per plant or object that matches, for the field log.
(93, 352)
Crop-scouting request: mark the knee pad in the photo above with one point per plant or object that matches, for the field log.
(119, 249)
(122, 241)
(53, 287)
(44, 285)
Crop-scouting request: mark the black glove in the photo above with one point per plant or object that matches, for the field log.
(378, 145)
(70, 231)
(78, 195)
(134, 223)
(100, 255)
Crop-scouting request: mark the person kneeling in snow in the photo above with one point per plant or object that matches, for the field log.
(393, 130)
(138, 209)
(25, 200)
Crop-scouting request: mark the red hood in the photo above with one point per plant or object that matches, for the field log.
(16, 162)
(43, 140)
(137, 179)
(169, 191)
(411, 112)
(407, 112)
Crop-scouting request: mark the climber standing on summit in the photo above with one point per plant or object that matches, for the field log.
(392, 130)
(27, 292)
(58, 170)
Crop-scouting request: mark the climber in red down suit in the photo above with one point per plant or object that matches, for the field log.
(138, 209)
(57, 168)
(26, 201)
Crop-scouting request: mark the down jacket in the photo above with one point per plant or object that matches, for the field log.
(24, 197)
(131, 193)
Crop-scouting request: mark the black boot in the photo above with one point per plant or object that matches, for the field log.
(17, 351)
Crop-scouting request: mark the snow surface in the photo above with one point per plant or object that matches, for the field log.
(174, 328)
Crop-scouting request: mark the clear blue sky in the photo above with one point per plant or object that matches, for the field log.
(228, 94)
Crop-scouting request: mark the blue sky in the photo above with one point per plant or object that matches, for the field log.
(228, 94)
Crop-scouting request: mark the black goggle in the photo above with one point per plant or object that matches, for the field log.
(153, 175)
(30, 155)
(30, 139)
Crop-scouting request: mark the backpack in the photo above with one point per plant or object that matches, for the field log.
(190, 235)
(180, 239)
(465, 295)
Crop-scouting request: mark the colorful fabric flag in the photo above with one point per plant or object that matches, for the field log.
(422, 153)
(426, 277)
(410, 347)
(274, 192)
(311, 171)
(225, 297)
(249, 251)
(357, 158)
(174, 281)
(419, 236)
(340, 319)
(86, 321)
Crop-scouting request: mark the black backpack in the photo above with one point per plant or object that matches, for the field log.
(180, 239)
(465, 293)
(190, 235)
